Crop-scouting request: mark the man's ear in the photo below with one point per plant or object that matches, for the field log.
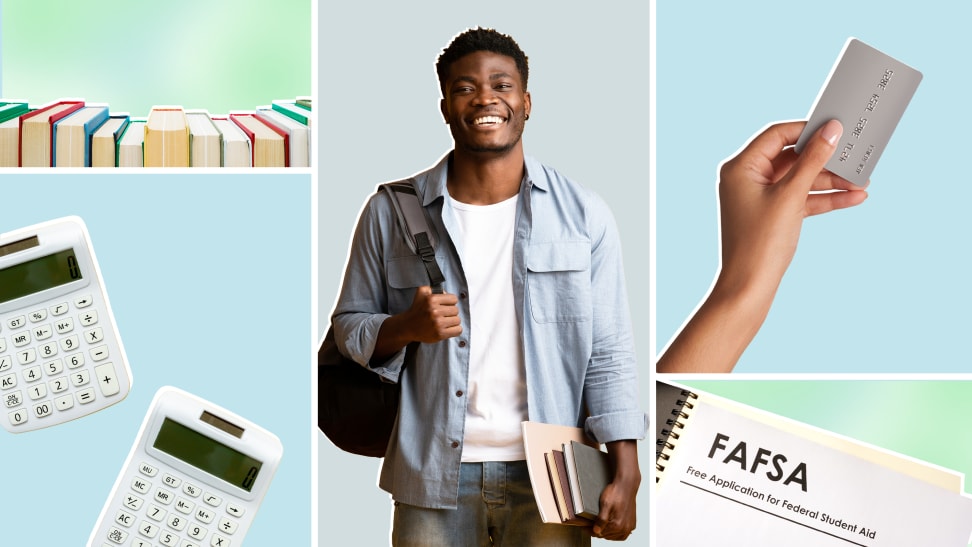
(443, 108)
(527, 104)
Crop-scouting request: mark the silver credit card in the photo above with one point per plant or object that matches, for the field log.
(867, 91)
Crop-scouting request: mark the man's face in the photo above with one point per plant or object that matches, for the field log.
(485, 103)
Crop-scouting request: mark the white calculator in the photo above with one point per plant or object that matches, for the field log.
(60, 354)
(194, 478)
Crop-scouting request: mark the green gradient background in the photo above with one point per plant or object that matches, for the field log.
(218, 55)
(928, 420)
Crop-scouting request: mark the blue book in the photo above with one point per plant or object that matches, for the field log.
(72, 136)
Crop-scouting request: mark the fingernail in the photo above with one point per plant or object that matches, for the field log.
(831, 132)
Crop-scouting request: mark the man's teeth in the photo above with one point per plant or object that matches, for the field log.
(488, 120)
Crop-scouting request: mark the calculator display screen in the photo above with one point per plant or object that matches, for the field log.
(38, 275)
(207, 454)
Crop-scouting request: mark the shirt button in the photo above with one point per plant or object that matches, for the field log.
(462, 295)
(462, 343)
(459, 393)
(455, 444)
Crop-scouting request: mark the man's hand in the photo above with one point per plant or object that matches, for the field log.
(618, 516)
(431, 318)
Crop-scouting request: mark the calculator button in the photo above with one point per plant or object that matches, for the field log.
(184, 506)
(58, 385)
(64, 402)
(203, 515)
(3, 344)
(32, 374)
(190, 489)
(27, 356)
(219, 541)
(8, 381)
(235, 510)
(38, 391)
(99, 353)
(85, 396)
(54, 367)
(133, 502)
(125, 519)
(228, 526)
(38, 315)
(141, 543)
(171, 481)
(18, 417)
(43, 332)
(88, 318)
(215, 501)
(141, 486)
(169, 539)
(116, 535)
(156, 513)
(13, 399)
(43, 410)
(48, 350)
(64, 326)
(21, 339)
(75, 360)
(69, 343)
(163, 496)
(148, 529)
(177, 522)
(196, 532)
(80, 378)
(105, 373)
(82, 301)
(5, 363)
(148, 470)
(17, 322)
(188, 543)
(94, 335)
(59, 309)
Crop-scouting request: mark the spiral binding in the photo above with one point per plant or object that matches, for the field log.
(675, 425)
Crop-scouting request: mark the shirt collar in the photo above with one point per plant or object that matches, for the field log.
(434, 187)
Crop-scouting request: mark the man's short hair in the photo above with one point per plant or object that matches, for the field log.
(480, 39)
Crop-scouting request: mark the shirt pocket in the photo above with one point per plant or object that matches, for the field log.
(559, 280)
(404, 274)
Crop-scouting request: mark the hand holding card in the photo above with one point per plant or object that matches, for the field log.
(867, 91)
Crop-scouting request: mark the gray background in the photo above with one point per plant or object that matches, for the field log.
(378, 119)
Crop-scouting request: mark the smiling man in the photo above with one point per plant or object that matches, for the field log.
(533, 323)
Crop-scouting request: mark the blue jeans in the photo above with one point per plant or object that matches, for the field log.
(496, 507)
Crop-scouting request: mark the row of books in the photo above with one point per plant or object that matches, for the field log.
(71, 133)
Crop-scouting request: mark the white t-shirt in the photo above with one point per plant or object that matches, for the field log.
(496, 392)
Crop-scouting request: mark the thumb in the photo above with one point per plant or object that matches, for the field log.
(814, 156)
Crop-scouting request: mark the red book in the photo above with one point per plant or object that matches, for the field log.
(271, 146)
(37, 134)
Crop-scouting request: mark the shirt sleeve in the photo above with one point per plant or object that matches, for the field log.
(611, 383)
(362, 304)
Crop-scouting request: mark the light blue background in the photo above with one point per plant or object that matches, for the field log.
(883, 287)
(589, 83)
(209, 280)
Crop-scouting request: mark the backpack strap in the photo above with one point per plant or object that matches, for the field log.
(419, 233)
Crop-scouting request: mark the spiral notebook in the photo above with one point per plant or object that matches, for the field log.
(755, 479)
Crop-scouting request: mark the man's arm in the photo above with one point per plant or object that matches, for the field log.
(764, 195)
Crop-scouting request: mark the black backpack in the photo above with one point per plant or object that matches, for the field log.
(356, 408)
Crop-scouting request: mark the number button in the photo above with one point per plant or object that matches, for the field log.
(32, 374)
(80, 378)
(27, 356)
(197, 532)
(18, 417)
(156, 513)
(168, 539)
(48, 350)
(76, 360)
(43, 410)
(58, 385)
(148, 529)
(53, 368)
(37, 392)
(69, 343)
(177, 522)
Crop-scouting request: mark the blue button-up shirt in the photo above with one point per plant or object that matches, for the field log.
(569, 296)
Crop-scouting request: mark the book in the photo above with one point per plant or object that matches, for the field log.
(166, 138)
(10, 110)
(735, 476)
(104, 141)
(298, 135)
(303, 102)
(237, 149)
(72, 136)
(129, 148)
(538, 440)
(294, 111)
(270, 144)
(205, 141)
(593, 472)
(10, 143)
(37, 132)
